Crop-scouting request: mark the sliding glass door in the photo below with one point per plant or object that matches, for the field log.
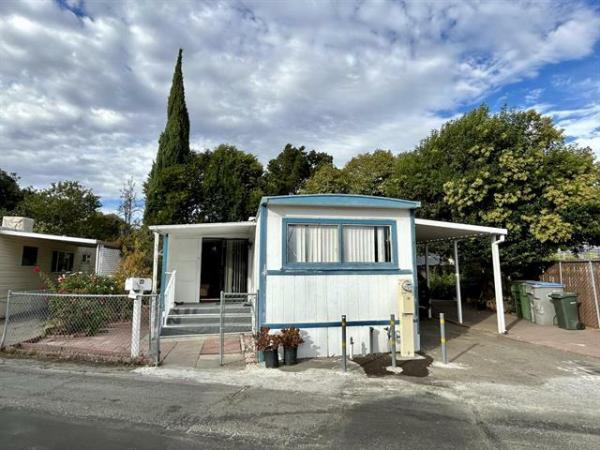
(224, 267)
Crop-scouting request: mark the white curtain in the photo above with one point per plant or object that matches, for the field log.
(236, 265)
(366, 244)
(313, 243)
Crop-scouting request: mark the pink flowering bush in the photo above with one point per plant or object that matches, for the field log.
(79, 314)
(86, 283)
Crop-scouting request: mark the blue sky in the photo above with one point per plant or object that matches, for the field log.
(83, 85)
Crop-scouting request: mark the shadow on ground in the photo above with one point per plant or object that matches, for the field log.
(376, 366)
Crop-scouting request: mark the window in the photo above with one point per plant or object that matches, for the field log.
(86, 258)
(313, 243)
(62, 261)
(367, 244)
(29, 257)
(335, 243)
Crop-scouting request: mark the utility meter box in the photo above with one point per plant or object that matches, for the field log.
(407, 300)
(406, 308)
(138, 285)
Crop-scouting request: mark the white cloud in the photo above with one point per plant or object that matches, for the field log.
(582, 124)
(85, 97)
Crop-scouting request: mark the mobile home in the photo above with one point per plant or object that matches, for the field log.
(310, 259)
(22, 250)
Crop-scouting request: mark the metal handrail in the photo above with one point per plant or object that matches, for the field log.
(250, 297)
(169, 295)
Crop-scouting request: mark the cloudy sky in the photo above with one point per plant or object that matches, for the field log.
(84, 84)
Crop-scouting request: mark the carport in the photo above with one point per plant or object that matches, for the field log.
(428, 231)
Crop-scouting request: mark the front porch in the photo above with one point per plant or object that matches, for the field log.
(199, 262)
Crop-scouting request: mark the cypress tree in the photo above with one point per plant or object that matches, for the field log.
(173, 149)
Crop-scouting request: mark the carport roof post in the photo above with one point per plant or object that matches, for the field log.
(434, 230)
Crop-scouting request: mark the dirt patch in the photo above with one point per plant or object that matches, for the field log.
(376, 366)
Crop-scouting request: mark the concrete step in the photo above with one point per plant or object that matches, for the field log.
(237, 308)
(187, 330)
(208, 319)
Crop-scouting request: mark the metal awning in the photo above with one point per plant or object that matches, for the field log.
(205, 228)
(436, 230)
(427, 231)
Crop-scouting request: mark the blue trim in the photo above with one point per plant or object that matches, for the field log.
(340, 265)
(355, 323)
(333, 271)
(413, 236)
(340, 200)
(163, 275)
(261, 312)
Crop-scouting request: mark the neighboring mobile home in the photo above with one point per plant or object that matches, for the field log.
(21, 250)
(310, 259)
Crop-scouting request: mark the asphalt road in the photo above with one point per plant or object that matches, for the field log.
(56, 406)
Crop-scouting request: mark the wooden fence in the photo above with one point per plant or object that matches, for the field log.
(579, 277)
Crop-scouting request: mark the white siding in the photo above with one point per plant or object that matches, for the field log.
(108, 260)
(325, 298)
(184, 257)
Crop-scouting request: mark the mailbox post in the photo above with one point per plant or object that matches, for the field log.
(136, 288)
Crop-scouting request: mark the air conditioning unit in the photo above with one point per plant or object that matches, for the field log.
(18, 223)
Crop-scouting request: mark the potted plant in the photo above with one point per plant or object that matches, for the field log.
(290, 339)
(268, 345)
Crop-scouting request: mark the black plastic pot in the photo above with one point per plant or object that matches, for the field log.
(290, 356)
(271, 358)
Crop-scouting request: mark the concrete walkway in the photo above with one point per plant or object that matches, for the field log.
(201, 352)
(584, 342)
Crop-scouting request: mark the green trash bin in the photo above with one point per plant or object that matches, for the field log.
(519, 291)
(515, 294)
(567, 310)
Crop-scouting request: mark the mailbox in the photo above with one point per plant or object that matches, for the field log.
(138, 285)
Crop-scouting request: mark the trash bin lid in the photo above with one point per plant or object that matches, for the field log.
(545, 284)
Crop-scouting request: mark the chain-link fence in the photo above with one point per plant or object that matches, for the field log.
(78, 325)
(583, 278)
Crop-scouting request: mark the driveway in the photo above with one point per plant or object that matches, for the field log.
(496, 393)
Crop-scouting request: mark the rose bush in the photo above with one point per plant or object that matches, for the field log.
(90, 308)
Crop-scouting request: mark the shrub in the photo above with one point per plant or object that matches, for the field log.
(133, 264)
(71, 315)
(81, 314)
(442, 286)
(86, 283)
(265, 341)
(290, 337)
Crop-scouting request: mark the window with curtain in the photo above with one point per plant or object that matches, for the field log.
(322, 243)
(308, 243)
(367, 244)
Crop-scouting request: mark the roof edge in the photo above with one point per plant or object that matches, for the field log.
(347, 200)
(54, 237)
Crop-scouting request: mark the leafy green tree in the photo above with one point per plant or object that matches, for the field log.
(10, 193)
(230, 186)
(328, 179)
(173, 150)
(106, 227)
(368, 173)
(513, 170)
(172, 196)
(287, 172)
(65, 208)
